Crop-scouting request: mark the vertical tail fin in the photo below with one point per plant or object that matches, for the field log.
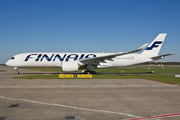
(154, 48)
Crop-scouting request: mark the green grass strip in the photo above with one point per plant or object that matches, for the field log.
(119, 70)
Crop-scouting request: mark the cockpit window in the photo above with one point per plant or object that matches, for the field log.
(12, 58)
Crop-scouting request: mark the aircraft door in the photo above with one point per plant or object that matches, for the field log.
(22, 58)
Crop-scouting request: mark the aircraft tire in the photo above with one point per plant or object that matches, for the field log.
(93, 72)
(17, 72)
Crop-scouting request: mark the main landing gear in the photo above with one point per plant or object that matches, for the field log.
(16, 68)
(89, 72)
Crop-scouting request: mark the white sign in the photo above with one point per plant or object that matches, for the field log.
(178, 76)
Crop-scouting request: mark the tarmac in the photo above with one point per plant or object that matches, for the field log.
(86, 99)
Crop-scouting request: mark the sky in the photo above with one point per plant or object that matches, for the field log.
(94, 26)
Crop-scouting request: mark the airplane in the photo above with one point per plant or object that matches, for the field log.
(70, 62)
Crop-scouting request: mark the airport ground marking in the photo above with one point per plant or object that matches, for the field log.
(66, 106)
(159, 116)
(90, 86)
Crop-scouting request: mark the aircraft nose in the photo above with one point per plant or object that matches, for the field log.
(7, 63)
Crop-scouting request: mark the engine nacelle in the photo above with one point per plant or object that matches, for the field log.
(69, 66)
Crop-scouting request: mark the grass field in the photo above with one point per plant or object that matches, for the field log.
(161, 78)
(2, 70)
(136, 69)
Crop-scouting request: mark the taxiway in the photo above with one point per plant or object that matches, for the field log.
(86, 99)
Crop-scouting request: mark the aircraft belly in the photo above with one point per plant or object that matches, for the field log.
(39, 64)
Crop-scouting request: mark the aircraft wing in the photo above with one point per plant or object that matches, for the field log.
(161, 56)
(96, 60)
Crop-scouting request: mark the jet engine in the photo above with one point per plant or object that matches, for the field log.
(69, 66)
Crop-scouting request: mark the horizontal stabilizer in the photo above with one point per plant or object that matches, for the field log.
(161, 56)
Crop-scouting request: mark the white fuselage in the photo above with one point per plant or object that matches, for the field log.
(56, 59)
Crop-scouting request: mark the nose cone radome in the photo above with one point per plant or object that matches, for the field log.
(8, 63)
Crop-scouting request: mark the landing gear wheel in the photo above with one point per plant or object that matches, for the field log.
(17, 72)
(89, 72)
(93, 72)
(86, 72)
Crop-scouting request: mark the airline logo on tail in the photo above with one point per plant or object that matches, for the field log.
(155, 44)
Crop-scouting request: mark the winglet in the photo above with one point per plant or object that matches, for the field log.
(142, 47)
(139, 49)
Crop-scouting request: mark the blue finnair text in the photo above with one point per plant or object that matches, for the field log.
(54, 57)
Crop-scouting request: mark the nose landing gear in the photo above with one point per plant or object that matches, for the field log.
(16, 68)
